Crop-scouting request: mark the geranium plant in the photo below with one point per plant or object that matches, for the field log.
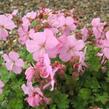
(48, 61)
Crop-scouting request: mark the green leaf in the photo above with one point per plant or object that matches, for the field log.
(34, 23)
(52, 106)
(102, 98)
(84, 93)
(15, 104)
(79, 103)
(24, 54)
(93, 84)
(92, 59)
(60, 99)
(4, 74)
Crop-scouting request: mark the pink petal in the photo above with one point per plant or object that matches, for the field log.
(27, 89)
(16, 69)
(95, 21)
(26, 22)
(9, 24)
(96, 32)
(29, 73)
(14, 13)
(31, 15)
(3, 34)
(79, 45)
(6, 57)
(53, 52)
(9, 65)
(69, 21)
(33, 100)
(61, 20)
(51, 40)
(107, 35)
(36, 44)
(64, 55)
(71, 41)
(38, 54)
(84, 32)
(13, 55)
(32, 34)
(106, 52)
(46, 59)
(41, 38)
(19, 63)
(105, 43)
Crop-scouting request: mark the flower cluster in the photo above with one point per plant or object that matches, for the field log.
(6, 24)
(13, 62)
(51, 35)
(35, 95)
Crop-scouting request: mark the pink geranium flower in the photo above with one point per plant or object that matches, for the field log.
(97, 28)
(84, 32)
(1, 86)
(13, 62)
(60, 21)
(23, 31)
(34, 95)
(105, 46)
(42, 43)
(71, 48)
(6, 24)
(14, 13)
(31, 15)
(30, 73)
(26, 19)
(56, 20)
(46, 70)
(44, 67)
(25, 34)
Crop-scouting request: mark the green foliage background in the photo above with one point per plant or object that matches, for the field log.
(90, 89)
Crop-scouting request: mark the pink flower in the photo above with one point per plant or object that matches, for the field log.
(44, 67)
(97, 28)
(56, 20)
(105, 46)
(59, 21)
(84, 32)
(14, 13)
(34, 95)
(55, 51)
(42, 43)
(1, 86)
(81, 63)
(31, 15)
(46, 71)
(13, 62)
(5, 24)
(70, 22)
(71, 48)
(25, 34)
(30, 73)
(24, 30)
(25, 22)
(26, 19)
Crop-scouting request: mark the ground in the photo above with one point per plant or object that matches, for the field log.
(85, 9)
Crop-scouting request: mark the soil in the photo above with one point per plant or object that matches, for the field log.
(85, 9)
